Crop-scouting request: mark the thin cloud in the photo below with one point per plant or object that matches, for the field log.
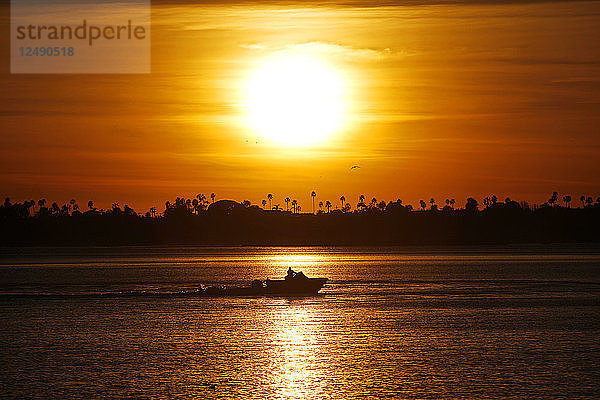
(252, 46)
(331, 49)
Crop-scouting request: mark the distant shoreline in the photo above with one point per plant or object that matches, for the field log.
(517, 248)
(236, 225)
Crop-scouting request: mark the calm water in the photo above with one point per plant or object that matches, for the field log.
(393, 323)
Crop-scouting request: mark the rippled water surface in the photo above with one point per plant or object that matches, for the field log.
(392, 323)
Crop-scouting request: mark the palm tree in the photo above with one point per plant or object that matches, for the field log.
(373, 202)
(195, 204)
(264, 203)
(313, 194)
(153, 212)
(452, 202)
(361, 202)
(270, 197)
(432, 201)
(42, 202)
(328, 205)
(287, 204)
(486, 202)
(30, 204)
(91, 205)
(321, 205)
(582, 199)
(212, 197)
(294, 204)
(201, 201)
(342, 199)
(552, 200)
(567, 200)
(71, 204)
(422, 204)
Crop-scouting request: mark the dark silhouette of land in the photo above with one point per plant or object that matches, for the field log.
(199, 221)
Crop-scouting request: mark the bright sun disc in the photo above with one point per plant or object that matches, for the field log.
(295, 100)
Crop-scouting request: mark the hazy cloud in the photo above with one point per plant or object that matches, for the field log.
(331, 49)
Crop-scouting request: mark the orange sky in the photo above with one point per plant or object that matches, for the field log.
(445, 101)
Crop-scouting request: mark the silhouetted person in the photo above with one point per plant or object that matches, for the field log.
(290, 274)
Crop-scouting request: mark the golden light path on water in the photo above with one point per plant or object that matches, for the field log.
(286, 348)
(305, 263)
(299, 361)
(296, 344)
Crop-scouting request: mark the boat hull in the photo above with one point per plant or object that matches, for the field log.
(294, 287)
(297, 286)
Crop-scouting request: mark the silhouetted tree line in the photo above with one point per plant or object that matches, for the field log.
(201, 221)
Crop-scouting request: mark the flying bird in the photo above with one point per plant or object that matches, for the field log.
(355, 166)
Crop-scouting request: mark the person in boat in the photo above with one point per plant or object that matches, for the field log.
(290, 274)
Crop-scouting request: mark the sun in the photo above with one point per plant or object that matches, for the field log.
(295, 100)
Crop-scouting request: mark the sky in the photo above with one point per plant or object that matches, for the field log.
(442, 100)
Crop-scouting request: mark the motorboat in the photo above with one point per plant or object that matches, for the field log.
(298, 284)
(294, 284)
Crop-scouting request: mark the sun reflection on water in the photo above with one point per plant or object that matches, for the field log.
(311, 264)
(296, 353)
